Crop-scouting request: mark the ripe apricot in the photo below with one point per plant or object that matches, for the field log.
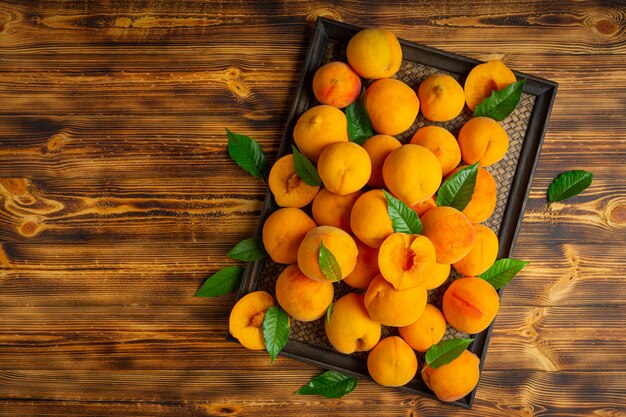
(246, 319)
(344, 167)
(484, 199)
(470, 304)
(441, 98)
(336, 84)
(450, 231)
(454, 380)
(283, 231)
(338, 242)
(483, 253)
(483, 140)
(330, 209)
(301, 297)
(412, 173)
(483, 79)
(374, 53)
(406, 261)
(438, 276)
(423, 206)
(366, 267)
(442, 144)
(317, 128)
(426, 331)
(378, 147)
(349, 328)
(392, 106)
(370, 220)
(287, 187)
(392, 362)
(392, 307)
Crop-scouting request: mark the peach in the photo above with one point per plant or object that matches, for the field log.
(370, 220)
(317, 128)
(426, 331)
(451, 233)
(246, 319)
(483, 79)
(483, 140)
(406, 261)
(483, 201)
(349, 328)
(283, 232)
(392, 307)
(392, 362)
(338, 242)
(441, 97)
(378, 147)
(483, 253)
(366, 267)
(442, 144)
(454, 380)
(392, 106)
(330, 209)
(470, 304)
(374, 53)
(336, 84)
(301, 297)
(437, 277)
(287, 187)
(344, 167)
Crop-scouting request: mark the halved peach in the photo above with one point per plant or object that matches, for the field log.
(406, 261)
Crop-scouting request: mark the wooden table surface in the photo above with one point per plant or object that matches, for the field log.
(118, 199)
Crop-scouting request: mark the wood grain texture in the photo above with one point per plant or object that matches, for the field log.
(118, 198)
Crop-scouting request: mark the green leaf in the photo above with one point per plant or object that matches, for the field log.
(330, 384)
(458, 190)
(403, 218)
(329, 311)
(569, 184)
(247, 154)
(305, 169)
(222, 282)
(359, 123)
(248, 250)
(502, 271)
(328, 264)
(275, 330)
(500, 104)
(446, 351)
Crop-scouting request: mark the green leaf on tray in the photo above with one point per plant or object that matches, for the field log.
(248, 250)
(305, 168)
(359, 123)
(458, 190)
(403, 218)
(330, 384)
(329, 311)
(247, 154)
(275, 330)
(500, 104)
(222, 282)
(502, 271)
(328, 264)
(446, 351)
(569, 184)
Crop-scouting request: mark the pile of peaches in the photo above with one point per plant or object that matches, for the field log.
(391, 272)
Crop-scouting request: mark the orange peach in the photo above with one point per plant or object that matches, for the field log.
(392, 106)
(283, 232)
(344, 167)
(450, 231)
(374, 53)
(370, 220)
(246, 319)
(317, 128)
(378, 147)
(287, 187)
(406, 261)
(392, 362)
(441, 97)
(330, 209)
(338, 242)
(454, 380)
(483, 140)
(426, 331)
(349, 328)
(366, 267)
(485, 78)
(392, 307)
(336, 84)
(301, 297)
(483, 201)
(470, 304)
(441, 143)
(483, 253)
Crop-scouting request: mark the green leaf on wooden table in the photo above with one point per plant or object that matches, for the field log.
(569, 184)
(222, 282)
(330, 384)
(328, 264)
(329, 311)
(248, 250)
(275, 331)
(500, 104)
(446, 351)
(359, 123)
(457, 191)
(502, 271)
(403, 218)
(305, 168)
(247, 154)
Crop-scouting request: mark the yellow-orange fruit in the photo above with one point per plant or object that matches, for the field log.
(317, 128)
(336, 84)
(349, 328)
(470, 304)
(412, 173)
(438, 276)
(442, 144)
(392, 362)
(283, 231)
(301, 297)
(330, 209)
(338, 242)
(392, 106)
(426, 331)
(288, 188)
(406, 261)
(484, 199)
(483, 253)
(450, 231)
(483, 140)
(246, 319)
(392, 307)
(344, 167)
(483, 79)
(366, 267)
(378, 147)
(374, 53)
(441, 97)
(423, 206)
(370, 220)
(454, 380)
